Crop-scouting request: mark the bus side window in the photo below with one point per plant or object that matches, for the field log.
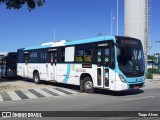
(53, 57)
(43, 57)
(62, 53)
(79, 58)
(26, 57)
(84, 53)
(33, 57)
(20, 57)
(87, 58)
(88, 55)
(79, 55)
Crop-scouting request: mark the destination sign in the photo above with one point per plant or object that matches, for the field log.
(102, 45)
(133, 42)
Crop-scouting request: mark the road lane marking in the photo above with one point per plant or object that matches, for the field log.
(17, 95)
(21, 94)
(139, 98)
(61, 90)
(1, 98)
(29, 94)
(13, 95)
(71, 91)
(6, 97)
(36, 93)
(50, 92)
(57, 91)
(43, 93)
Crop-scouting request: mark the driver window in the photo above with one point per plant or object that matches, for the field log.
(121, 56)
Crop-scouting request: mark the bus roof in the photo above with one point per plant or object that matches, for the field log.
(3, 53)
(75, 42)
(90, 40)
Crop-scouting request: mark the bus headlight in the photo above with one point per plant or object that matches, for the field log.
(122, 78)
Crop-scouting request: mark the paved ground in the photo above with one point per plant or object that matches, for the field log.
(13, 84)
(146, 99)
(34, 93)
(24, 89)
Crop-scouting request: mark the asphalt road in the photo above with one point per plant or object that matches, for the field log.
(146, 99)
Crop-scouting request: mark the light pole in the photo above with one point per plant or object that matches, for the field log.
(112, 19)
(117, 17)
(111, 22)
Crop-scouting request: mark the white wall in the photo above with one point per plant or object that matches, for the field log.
(134, 19)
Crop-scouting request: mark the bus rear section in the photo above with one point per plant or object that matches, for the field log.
(9, 65)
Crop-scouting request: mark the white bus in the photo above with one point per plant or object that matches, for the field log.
(109, 62)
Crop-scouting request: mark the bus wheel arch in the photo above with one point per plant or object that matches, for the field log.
(36, 77)
(86, 83)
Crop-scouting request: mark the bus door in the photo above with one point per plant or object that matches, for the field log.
(53, 62)
(102, 61)
(26, 64)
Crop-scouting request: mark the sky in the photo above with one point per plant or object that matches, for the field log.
(69, 20)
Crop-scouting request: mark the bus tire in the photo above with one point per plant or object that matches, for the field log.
(87, 85)
(36, 78)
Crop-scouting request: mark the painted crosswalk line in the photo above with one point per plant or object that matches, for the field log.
(1, 98)
(43, 93)
(17, 95)
(13, 95)
(50, 92)
(29, 94)
(21, 94)
(58, 92)
(33, 91)
(71, 91)
(5, 96)
(63, 91)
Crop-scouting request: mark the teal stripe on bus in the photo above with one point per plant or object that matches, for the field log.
(67, 73)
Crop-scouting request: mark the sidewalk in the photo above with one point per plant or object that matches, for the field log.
(151, 84)
(153, 80)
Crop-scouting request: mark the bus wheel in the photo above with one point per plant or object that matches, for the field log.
(87, 85)
(36, 78)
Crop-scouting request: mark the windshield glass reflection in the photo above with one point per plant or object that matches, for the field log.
(130, 58)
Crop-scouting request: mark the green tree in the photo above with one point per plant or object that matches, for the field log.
(17, 4)
(151, 57)
(149, 73)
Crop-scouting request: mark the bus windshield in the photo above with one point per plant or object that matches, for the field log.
(130, 58)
